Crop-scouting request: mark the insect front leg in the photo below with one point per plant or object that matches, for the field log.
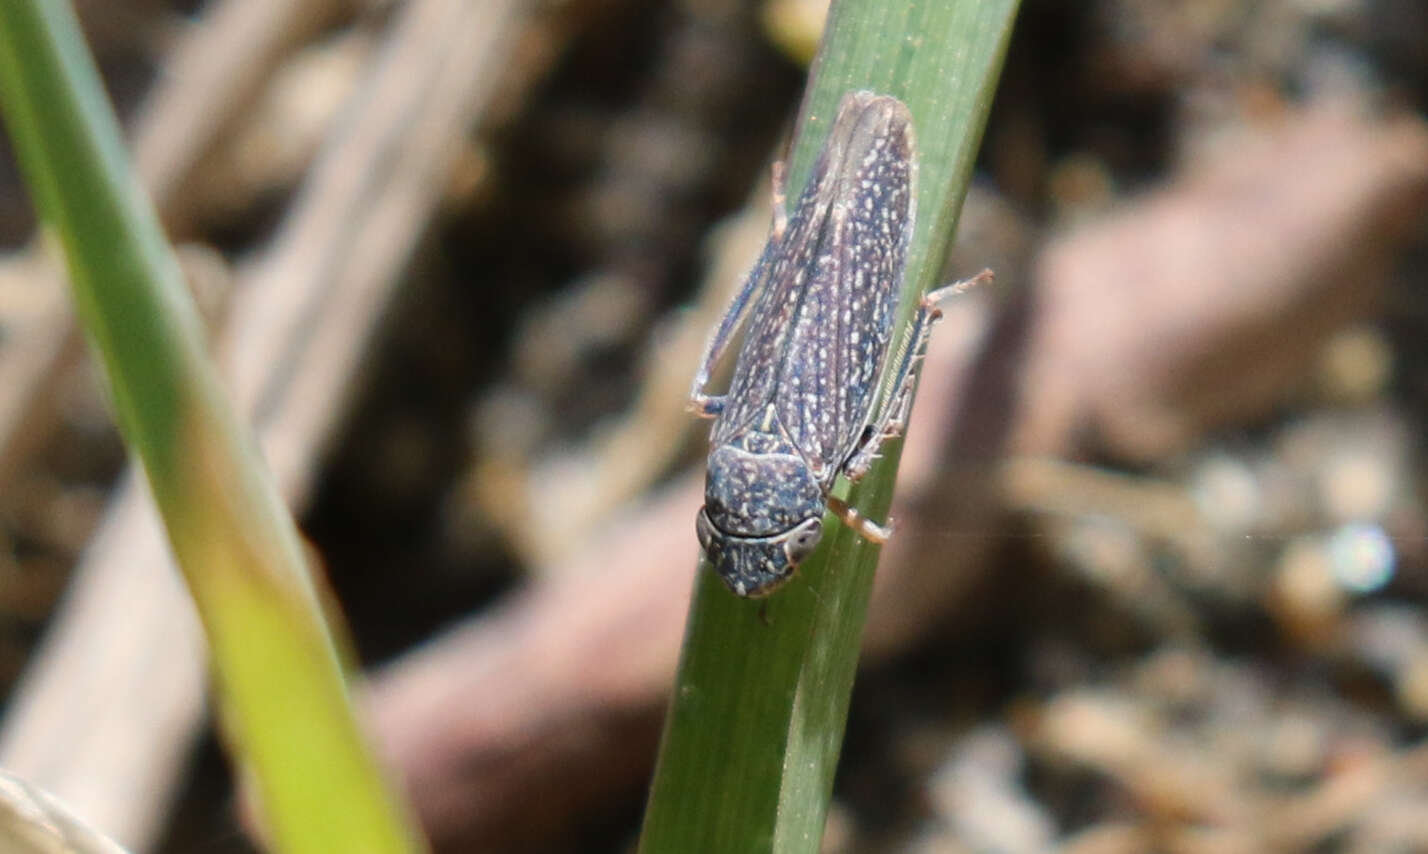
(707, 405)
(892, 419)
(865, 527)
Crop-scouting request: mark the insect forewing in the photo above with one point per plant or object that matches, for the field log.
(770, 324)
(839, 342)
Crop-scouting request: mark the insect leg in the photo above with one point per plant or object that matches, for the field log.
(865, 527)
(779, 176)
(892, 420)
(706, 405)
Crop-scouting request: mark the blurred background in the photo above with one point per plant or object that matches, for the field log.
(1162, 542)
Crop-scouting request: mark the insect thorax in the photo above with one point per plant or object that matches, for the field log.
(759, 488)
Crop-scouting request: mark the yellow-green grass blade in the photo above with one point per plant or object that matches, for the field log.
(284, 700)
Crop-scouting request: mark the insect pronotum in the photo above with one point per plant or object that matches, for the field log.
(802, 406)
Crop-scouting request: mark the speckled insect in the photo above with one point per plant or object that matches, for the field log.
(800, 409)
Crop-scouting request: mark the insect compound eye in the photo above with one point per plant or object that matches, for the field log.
(803, 540)
(704, 530)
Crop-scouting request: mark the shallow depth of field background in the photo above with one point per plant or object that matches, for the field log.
(1162, 543)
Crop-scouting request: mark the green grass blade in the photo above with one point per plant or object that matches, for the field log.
(284, 698)
(757, 716)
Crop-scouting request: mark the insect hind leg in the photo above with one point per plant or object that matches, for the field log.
(891, 420)
(779, 191)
